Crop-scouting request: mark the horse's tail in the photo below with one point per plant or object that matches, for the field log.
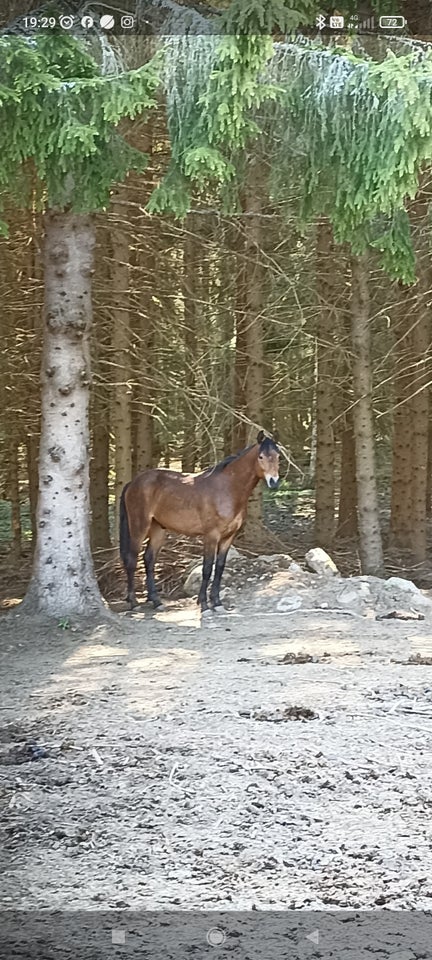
(124, 528)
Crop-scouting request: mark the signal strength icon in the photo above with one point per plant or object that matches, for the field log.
(368, 24)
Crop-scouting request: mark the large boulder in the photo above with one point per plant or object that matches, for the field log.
(320, 562)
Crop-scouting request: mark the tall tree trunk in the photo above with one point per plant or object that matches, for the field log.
(63, 581)
(121, 415)
(325, 388)
(419, 442)
(190, 268)
(144, 438)
(145, 451)
(32, 481)
(429, 465)
(99, 489)
(14, 497)
(254, 300)
(100, 402)
(400, 518)
(239, 430)
(35, 331)
(228, 374)
(347, 513)
(347, 509)
(254, 304)
(371, 552)
(419, 404)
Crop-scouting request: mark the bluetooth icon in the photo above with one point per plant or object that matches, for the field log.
(320, 22)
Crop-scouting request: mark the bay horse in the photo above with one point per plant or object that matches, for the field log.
(211, 504)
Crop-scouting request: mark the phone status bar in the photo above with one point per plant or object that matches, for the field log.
(128, 23)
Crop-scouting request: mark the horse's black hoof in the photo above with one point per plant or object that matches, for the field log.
(157, 603)
(206, 613)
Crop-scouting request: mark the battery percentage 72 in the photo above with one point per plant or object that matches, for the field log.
(392, 23)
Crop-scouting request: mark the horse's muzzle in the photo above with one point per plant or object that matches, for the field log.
(272, 482)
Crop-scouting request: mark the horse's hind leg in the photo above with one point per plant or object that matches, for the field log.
(131, 564)
(156, 538)
(134, 532)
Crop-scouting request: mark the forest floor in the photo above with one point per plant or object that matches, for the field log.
(265, 758)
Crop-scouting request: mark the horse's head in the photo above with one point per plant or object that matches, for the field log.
(268, 460)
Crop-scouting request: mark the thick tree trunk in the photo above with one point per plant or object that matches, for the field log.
(121, 414)
(419, 447)
(429, 465)
(254, 301)
(14, 497)
(239, 430)
(144, 437)
(33, 385)
(146, 454)
(100, 401)
(347, 513)
(347, 509)
(228, 393)
(32, 481)
(190, 268)
(63, 581)
(400, 519)
(254, 305)
(371, 552)
(325, 388)
(419, 403)
(99, 485)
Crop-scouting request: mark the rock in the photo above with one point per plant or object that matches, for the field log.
(349, 596)
(408, 588)
(295, 568)
(320, 562)
(234, 554)
(364, 590)
(286, 603)
(193, 580)
(279, 560)
(398, 583)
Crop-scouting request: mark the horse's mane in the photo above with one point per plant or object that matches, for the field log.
(267, 445)
(218, 467)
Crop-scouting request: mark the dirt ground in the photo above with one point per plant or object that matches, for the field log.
(263, 758)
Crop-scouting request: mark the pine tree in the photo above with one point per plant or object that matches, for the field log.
(60, 113)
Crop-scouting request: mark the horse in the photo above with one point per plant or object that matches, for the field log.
(211, 504)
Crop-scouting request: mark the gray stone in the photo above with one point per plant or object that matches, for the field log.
(349, 595)
(287, 603)
(399, 583)
(320, 562)
(279, 560)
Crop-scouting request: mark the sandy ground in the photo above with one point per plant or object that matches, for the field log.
(155, 763)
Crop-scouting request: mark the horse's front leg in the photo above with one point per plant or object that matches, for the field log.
(156, 538)
(222, 552)
(208, 561)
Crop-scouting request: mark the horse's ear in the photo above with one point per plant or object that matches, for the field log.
(260, 436)
(276, 436)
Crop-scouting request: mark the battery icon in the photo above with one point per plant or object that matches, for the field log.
(392, 23)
